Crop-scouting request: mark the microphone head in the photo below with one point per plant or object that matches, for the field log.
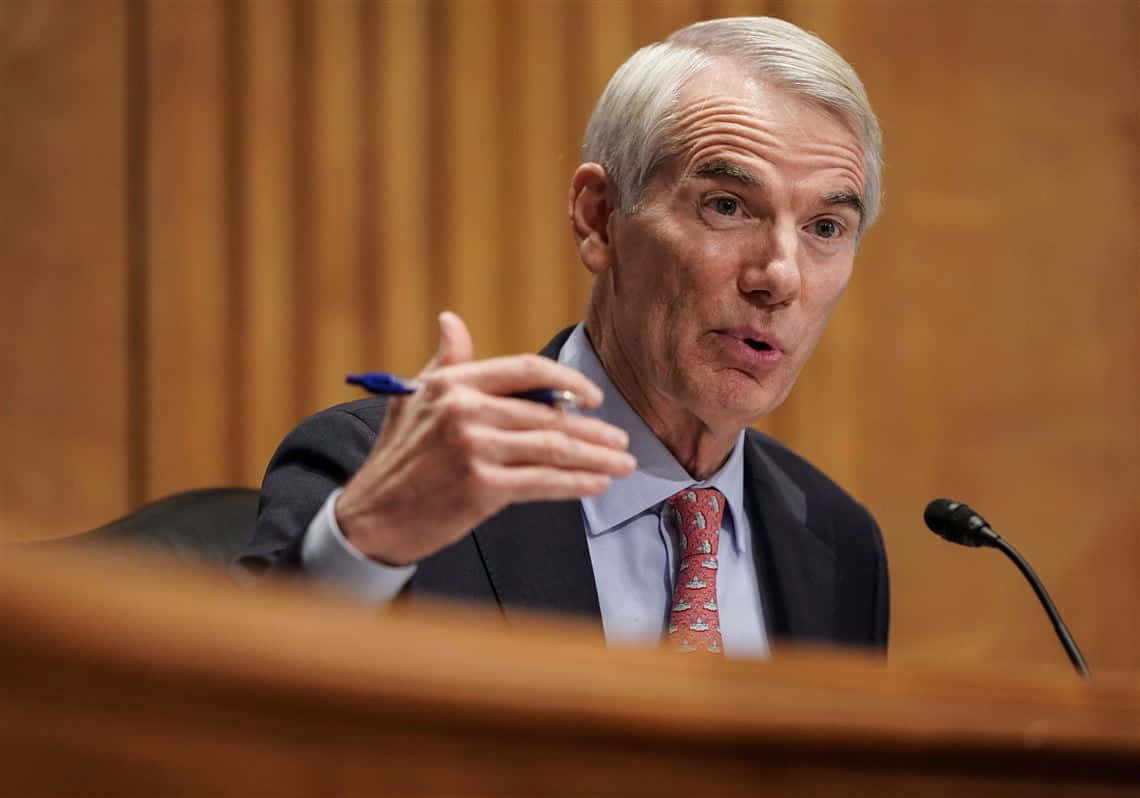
(957, 523)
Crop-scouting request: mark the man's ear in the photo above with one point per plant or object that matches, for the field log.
(593, 198)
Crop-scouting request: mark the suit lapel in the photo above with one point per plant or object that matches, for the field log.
(536, 553)
(537, 558)
(796, 569)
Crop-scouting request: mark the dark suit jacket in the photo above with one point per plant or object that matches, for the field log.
(819, 555)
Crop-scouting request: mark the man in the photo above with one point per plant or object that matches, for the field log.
(728, 174)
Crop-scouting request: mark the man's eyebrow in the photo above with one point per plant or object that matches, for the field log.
(721, 168)
(849, 198)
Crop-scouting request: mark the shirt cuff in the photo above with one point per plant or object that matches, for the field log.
(327, 556)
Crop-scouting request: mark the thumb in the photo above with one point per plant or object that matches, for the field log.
(455, 345)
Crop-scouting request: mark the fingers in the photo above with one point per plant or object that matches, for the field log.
(478, 427)
(517, 414)
(548, 447)
(455, 345)
(453, 364)
(502, 376)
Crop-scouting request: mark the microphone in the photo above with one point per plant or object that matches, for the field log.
(957, 523)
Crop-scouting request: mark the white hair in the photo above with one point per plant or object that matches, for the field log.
(629, 132)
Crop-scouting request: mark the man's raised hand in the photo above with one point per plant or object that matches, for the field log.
(460, 449)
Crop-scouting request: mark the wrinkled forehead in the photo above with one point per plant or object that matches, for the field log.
(725, 101)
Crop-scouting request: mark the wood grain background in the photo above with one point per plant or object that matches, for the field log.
(211, 211)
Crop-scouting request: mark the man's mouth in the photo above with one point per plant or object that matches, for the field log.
(755, 350)
(756, 340)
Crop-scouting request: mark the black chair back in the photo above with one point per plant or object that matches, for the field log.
(202, 526)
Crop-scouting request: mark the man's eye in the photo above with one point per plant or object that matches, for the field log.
(726, 206)
(826, 228)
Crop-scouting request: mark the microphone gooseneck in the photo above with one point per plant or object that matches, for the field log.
(957, 523)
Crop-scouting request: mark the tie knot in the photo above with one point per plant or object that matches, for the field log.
(697, 513)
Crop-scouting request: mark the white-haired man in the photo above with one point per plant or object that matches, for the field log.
(728, 174)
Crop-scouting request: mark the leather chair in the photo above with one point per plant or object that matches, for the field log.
(199, 526)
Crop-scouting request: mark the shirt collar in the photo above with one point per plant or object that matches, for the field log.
(658, 474)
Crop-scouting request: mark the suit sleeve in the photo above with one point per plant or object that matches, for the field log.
(315, 459)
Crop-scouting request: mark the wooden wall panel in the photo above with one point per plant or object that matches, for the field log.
(64, 420)
(656, 19)
(189, 303)
(608, 40)
(711, 9)
(265, 169)
(539, 293)
(472, 197)
(404, 171)
(335, 306)
(322, 178)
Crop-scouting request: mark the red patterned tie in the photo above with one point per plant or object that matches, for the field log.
(694, 623)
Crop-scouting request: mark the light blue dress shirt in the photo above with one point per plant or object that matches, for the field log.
(632, 544)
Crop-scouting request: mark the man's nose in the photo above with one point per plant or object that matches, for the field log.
(770, 272)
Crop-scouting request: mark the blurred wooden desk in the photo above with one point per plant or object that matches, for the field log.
(136, 678)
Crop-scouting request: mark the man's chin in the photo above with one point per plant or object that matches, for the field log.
(743, 397)
(737, 409)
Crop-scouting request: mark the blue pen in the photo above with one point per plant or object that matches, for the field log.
(391, 385)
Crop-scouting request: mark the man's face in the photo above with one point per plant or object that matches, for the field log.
(724, 277)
